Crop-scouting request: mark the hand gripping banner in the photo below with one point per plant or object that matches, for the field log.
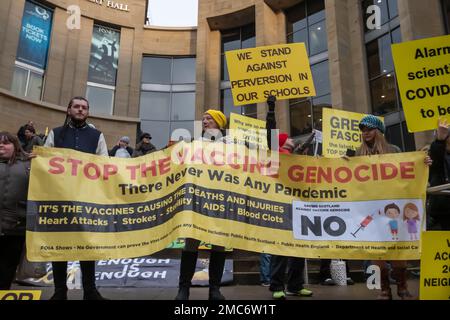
(87, 207)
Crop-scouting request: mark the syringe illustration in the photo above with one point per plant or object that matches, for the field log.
(363, 224)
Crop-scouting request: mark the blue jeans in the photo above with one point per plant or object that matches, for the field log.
(264, 267)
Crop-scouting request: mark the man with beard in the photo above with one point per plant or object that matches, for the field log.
(76, 134)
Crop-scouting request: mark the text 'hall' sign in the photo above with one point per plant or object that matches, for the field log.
(282, 71)
(423, 75)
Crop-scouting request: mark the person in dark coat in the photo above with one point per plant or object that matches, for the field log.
(77, 134)
(14, 178)
(31, 139)
(439, 175)
(144, 146)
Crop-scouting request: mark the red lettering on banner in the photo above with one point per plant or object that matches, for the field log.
(75, 164)
(56, 164)
(311, 174)
(110, 170)
(358, 173)
(133, 170)
(96, 174)
(348, 173)
(385, 171)
(407, 170)
(164, 165)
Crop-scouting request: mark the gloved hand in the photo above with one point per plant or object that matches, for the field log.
(271, 103)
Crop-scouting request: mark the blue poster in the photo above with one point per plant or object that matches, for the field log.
(34, 35)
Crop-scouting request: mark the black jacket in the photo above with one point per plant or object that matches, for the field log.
(113, 151)
(13, 196)
(439, 174)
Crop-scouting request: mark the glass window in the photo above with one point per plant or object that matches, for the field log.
(379, 56)
(317, 38)
(183, 106)
(183, 70)
(101, 100)
(35, 86)
(316, 10)
(301, 118)
(298, 37)
(384, 95)
(305, 22)
(231, 40)
(321, 78)
(248, 36)
(155, 105)
(296, 18)
(318, 105)
(160, 131)
(408, 137)
(393, 8)
(20, 79)
(172, 101)
(156, 70)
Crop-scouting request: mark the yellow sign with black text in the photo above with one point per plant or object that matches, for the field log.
(281, 70)
(88, 207)
(435, 266)
(423, 74)
(248, 130)
(340, 132)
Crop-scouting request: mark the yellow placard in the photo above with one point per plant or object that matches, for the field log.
(435, 266)
(423, 75)
(20, 294)
(248, 130)
(225, 194)
(281, 70)
(340, 132)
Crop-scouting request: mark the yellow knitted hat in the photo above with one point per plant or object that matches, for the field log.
(218, 117)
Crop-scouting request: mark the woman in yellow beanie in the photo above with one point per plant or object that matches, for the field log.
(214, 123)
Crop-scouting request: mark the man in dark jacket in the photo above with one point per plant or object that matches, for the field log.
(144, 146)
(76, 134)
(439, 175)
(14, 177)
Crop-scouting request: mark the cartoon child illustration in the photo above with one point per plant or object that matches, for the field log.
(392, 211)
(411, 216)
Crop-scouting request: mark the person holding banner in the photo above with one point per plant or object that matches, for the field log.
(374, 142)
(278, 264)
(214, 123)
(78, 135)
(14, 178)
(440, 174)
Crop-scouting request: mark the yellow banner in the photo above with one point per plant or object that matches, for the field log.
(435, 266)
(281, 70)
(87, 207)
(340, 132)
(423, 75)
(20, 294)
(248, 130)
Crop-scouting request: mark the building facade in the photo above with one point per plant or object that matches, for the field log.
(141, 78)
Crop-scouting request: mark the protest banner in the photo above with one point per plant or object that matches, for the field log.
(340, 132)
(281, 70)
(435, 266)
(20, 294)
(423, 74)
(87, 207)
(248, 130)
